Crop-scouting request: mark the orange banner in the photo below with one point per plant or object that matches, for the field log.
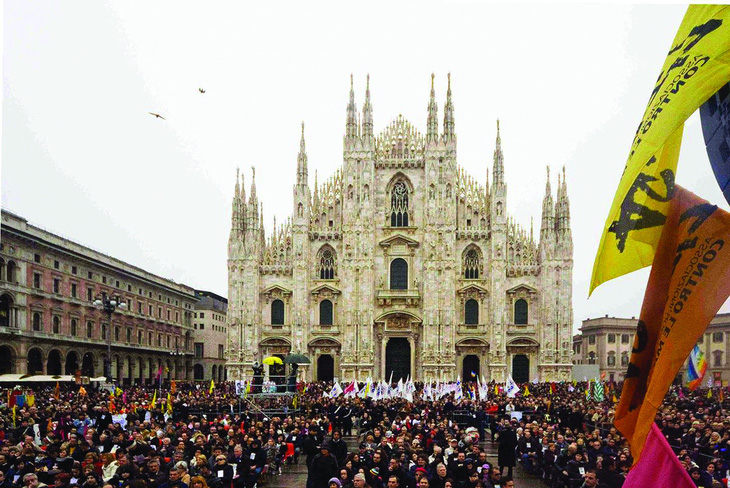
(689, 282)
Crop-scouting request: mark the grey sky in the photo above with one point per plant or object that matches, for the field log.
(83, 158)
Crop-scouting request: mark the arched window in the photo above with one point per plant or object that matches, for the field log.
(521, 312)
(399, 274)
(325, 312)
(611, 359)
(471, 312)
(37, 322)
(11, 272)
(74, 327)
(2, 269)
(591, 357)
(327, 263)
(6, 311)
(624, 359)
(89, 330)
(277, 312)
(56, 324)
(399, 205)
(472, 264)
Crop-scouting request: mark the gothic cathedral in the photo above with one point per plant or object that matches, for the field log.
(400, 265)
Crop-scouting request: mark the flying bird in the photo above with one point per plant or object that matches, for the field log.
(201, 90)
(158, 116)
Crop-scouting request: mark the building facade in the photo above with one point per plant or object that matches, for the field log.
(402, 264)
(607, 342)
(49, 325)
(210, 336)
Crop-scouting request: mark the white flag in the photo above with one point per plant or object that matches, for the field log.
(336, 390)
(511, 387)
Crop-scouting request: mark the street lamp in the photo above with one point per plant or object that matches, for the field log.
(177, 354)
(109, 303)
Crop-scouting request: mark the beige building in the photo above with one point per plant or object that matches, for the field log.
(401, 263)
(49, 324)
(211, 332)
(607, 341)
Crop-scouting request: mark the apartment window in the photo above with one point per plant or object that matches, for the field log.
(56, 264)
(168, 299)
(74, 290)
(611, 359)
(196, 315)
(37, 322)
(129, 335)
(116, 334)
(74, 270)
(56, 321)
(90, 275)
(139, 308)
(168, 315)
(168, 342)
(195, 326)
(37, 258)
(624, 359)
(89, 293)
(89, 330)
(176, 303)
(103, 279)
(116, 283)
(591, 339)
(159, 312)
(103, 331)
(149, 338)
(177, 316)
(56, 285)
(591, 357)
(150, 310)
(202, 315)
(199, 349)
(717, 359)
(202, 326)
(37, 280)
(717, 336)
(139, 337)
(577, 348)
(159, 340)
(140, 291)
(611, 338)
(129, 288)
(159, 298)
(74, 327)
(149, 294)
(220, 351)
(625, 338)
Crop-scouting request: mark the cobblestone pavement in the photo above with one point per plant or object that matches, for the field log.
(296, 476)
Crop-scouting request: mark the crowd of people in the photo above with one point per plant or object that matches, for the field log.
(197, 437)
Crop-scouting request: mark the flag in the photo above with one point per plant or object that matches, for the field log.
(159, 373)
(598, 394)
(696, 368)
(697, 66)
(689, 282)
(15, 407)
(351, 390)
(30, 399)
(496, 390)
(458, 393)
(173, 387)
(169, 404)
(661, 465)
(511, 387)
(154, 400)
(295, 401)
(57, 391)
(82, 391)
(212, 387)
(336, 390)
(552, 388)
(526, 393)
(721, 395)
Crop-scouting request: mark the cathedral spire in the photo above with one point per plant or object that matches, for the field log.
(351, 125)
(252, 198)
(547, 209)
(498, 168)
(316, 191)
(243, 187)
(433, 122)
(367, 112)
(302, 170)
(563, 206)
(449, 114)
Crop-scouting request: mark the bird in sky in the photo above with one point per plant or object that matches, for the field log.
(201, 90)
(158, 116)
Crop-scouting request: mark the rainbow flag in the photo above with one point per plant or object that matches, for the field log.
(696, 369)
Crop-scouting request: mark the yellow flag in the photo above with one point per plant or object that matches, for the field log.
(697, 66)
(30, 399)
(212, 387)
(709, 393)
(527, 392)
(169, 404)
(154, 400)
(82, 391)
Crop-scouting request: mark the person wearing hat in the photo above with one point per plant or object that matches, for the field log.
(334, 483)
(323, 468)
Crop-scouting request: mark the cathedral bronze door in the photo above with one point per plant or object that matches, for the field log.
(521, 368)
(325, 368)
(398, 359)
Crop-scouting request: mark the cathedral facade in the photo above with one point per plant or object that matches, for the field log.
(401, 264)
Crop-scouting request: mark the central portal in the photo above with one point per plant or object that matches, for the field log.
(398, 358)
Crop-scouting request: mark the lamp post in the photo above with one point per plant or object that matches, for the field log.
(109, 303)
(177, 354)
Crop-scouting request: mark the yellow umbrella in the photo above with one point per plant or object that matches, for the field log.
(272, 360)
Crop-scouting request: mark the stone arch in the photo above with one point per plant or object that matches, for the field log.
(87, 364)
(8, 356)
(35, 360)
(400, 193)
(71, 363)
(198, 372)
(11, 271)
(54, 362)
(7, 310)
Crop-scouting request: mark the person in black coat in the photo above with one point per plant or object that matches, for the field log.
(338, 447)
(323, 467)
(506, 453)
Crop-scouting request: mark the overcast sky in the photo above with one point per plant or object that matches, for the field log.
(81, 155)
